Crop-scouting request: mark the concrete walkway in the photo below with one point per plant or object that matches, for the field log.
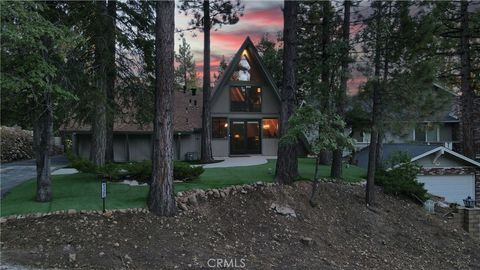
(239, 161)
(15, 173)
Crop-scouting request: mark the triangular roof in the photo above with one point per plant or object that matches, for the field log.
(227, 74)
(443, 150)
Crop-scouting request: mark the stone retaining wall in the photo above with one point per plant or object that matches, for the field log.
(185, 200)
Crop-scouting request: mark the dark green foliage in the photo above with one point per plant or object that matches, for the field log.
(401, 181)
(82, 165)
(135, 170)
(184, 172)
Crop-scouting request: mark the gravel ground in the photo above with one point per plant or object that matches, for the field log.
(243, 231)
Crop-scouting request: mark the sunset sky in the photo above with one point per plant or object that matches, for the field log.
(260, 17)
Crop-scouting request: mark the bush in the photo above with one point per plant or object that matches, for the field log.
(82, 165)
(402, 181)
(137, 170)
(16, 144)
(140, 171)
(184, 172)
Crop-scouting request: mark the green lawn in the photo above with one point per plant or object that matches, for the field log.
(82, 191)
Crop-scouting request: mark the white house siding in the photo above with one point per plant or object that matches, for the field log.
(220, 147)
(443, 161)
(269, 147)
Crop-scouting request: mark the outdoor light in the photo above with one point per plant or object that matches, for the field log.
(259, 90)
(226, 125)
(236, 136)
(266, 126)
(469, 202)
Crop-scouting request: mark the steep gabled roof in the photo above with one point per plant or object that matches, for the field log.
(443, 150)
(227, 74)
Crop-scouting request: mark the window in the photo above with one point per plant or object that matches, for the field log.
(245, 99)
(219, 128)
(420, 133)
(270, 128)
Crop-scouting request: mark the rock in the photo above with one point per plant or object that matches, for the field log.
(216, 193)
(71, 211)
(182, 207)
(127, 258)
(3, 220)
(192, 200)
(283, 210)
(116, 244)
(101, 254)
(307, 241)
(72, 257)
(222, 194)
(243, 191)
(180, 194)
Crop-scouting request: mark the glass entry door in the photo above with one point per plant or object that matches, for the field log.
(245, 137)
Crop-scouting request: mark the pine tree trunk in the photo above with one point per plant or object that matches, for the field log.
(161, 200)
(287, 165)
(111, 76)
(42, 141)
(336, 169)
(372, 154)
(465, 87)
(379, 151)
(99, 118)
(206, 147)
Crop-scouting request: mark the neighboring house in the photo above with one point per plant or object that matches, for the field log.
(440, 129)
(245, 107)
(133, 141)
(445, 173)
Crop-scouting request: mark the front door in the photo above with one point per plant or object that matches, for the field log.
(245, 137)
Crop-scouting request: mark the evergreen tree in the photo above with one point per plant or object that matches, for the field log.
(395, 41)
(161, 199)
(287, 164)
(457, 35)
(208, 14)
(271, 55)
(185, 74)
(34, 48)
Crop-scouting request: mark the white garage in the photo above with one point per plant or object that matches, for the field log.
(449, 174)
(454, 188)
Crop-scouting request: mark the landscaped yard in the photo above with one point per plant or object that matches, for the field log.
(82, 191)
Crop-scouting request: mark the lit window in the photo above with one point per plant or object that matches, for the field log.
(270, 128)
(246, 99)
(219, 128)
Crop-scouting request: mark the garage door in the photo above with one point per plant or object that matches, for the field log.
(454, 188)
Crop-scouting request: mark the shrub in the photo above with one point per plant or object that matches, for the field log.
(83, 165)
(402, 180)
(16, 144)
(184, 172)
(140, 171)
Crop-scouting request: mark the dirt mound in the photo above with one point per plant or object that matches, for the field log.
(244, 231)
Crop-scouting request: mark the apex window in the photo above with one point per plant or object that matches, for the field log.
(245, 99)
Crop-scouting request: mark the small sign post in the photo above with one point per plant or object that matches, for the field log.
(104, 192)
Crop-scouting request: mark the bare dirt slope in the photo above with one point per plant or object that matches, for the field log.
(244, 230)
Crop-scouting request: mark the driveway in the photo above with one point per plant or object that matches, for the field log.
(15, 173)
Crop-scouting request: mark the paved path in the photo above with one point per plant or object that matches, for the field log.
(239, 161)
(15, 173)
